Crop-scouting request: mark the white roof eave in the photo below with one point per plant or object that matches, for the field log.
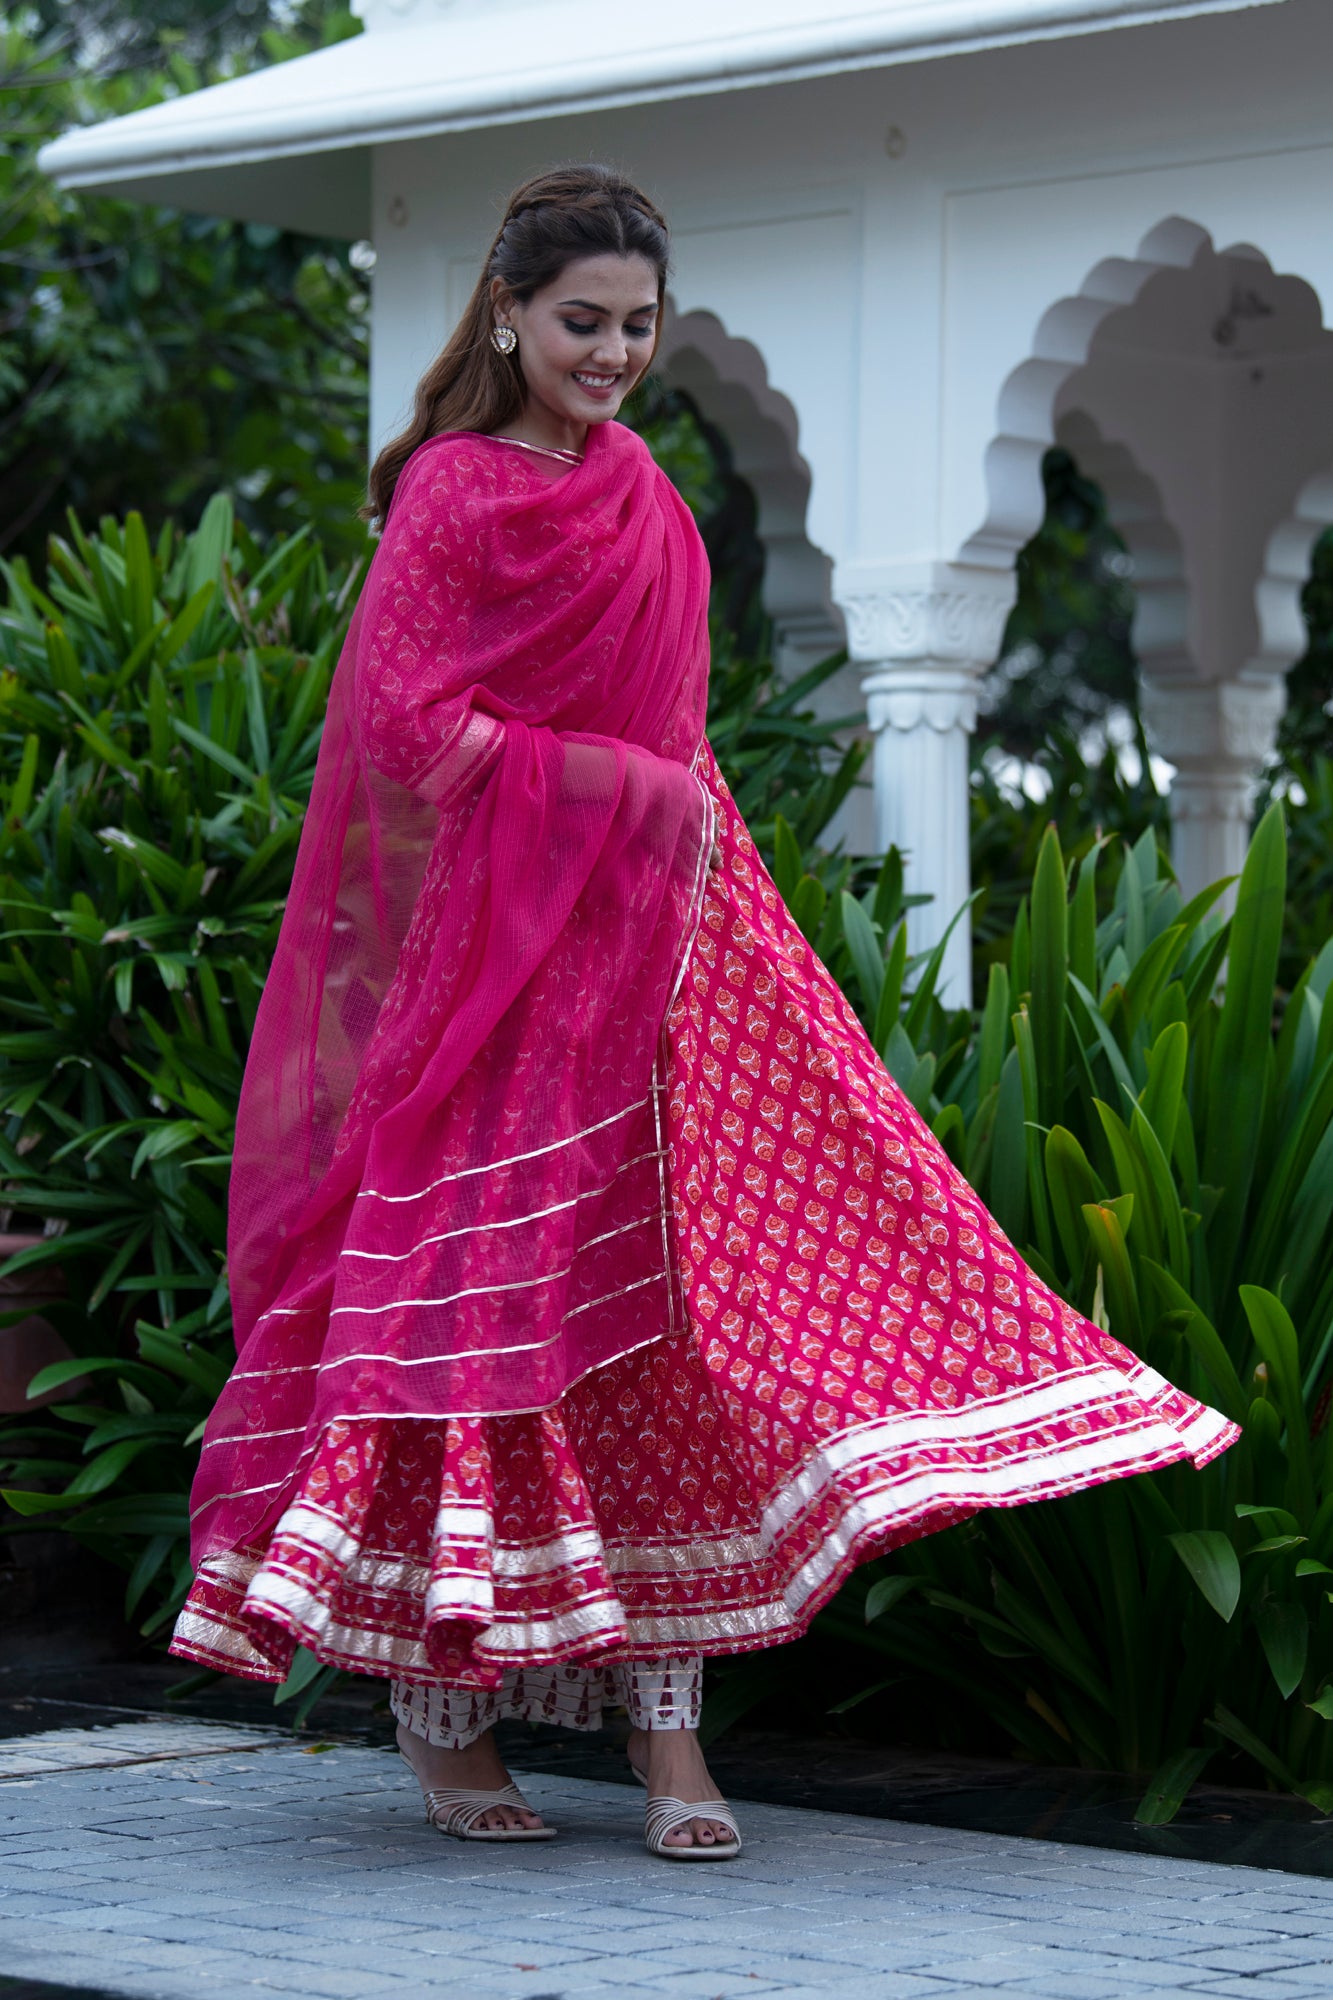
(510, 63)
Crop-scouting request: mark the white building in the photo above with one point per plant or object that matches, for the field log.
(916, 242)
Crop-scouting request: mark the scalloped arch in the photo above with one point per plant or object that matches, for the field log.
(1027, 413)
(727, 377)
(1135, 507)
(1282, 635)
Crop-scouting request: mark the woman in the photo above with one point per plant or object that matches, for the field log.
(600, 1300)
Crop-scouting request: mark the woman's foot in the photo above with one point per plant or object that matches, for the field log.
(673, 1764)
(476, 1769)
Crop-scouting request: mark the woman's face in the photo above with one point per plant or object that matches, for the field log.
(585, 339)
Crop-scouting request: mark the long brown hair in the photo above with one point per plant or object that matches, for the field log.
(568, 212)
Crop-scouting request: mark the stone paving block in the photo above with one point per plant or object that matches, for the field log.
(709, 1986)
(420, 1961)
(1268, 1986)
(1268, 1956)
(881, 1986)
(29, 1902)
(1087, 1986)
(1302, 1940)
(321, 1883)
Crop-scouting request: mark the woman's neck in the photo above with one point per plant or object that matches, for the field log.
(538, 425)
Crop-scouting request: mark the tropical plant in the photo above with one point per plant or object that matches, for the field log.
(1162, 1152)
(1306, 789)
(160, 709)
(1084, 800)
(148, 354)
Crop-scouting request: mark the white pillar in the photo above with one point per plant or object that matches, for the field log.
(1218, 734)
(922, 635)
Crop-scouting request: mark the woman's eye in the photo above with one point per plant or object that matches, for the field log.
(577, 326)
(639, 332)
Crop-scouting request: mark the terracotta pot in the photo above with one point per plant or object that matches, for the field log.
(32, 1343)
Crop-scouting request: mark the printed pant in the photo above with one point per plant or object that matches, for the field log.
(659, 1694)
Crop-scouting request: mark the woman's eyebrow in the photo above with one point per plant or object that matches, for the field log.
(605, 311)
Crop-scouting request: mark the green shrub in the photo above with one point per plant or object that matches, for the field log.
(1165, 1160)
(160, 710)
(1162, 1153)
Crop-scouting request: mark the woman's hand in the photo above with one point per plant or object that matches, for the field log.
(714, 858)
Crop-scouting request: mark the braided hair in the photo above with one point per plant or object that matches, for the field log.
(552, 219)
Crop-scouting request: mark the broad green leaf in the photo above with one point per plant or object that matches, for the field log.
(135, 1514)
(305, 1665)
(1160, 1098)
(1083, 918)
(1109, 1246)
(1275, 1337)
(889, 1591)
(995, 1030)
(787, 864)
(863, 1694)
(1050, 974)
(865, 951)
(1284, 1634)
(1230, 1725)
(1169, 1785)
(1072, 1184)
(1211, 1560)
(35, 1503)
(891, 991)
(1242, 1056)
(1206, 1342)
(1252, 1510)
(1007, 1182)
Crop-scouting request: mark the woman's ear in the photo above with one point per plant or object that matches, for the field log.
(502, 301)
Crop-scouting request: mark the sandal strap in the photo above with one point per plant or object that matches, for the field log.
(455, 1810)
(663, 1815)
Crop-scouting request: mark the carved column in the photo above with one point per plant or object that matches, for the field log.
(1218, 734)
(922, 636)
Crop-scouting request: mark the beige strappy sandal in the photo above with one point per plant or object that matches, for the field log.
(663, 1815)
(456, 1812)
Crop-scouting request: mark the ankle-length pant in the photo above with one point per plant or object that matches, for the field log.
(658, 1694)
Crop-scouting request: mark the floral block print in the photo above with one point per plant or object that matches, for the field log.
(866, 1359)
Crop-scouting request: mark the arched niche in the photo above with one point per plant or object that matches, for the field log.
(1215, 374)
(1196, 386)
(726, 377)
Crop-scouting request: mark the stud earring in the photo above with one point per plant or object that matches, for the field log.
(503, 339)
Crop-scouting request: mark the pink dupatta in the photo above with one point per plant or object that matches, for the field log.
(448, 1194)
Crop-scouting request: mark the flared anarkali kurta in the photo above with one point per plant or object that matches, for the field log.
(839, 1351)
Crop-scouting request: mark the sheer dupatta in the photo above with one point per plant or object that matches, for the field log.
(448, 1189)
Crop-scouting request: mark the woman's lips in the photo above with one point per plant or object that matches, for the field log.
(600, 387)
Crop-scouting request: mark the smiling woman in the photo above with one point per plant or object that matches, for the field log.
(561, 324)
(601, 1300)
(581, 356)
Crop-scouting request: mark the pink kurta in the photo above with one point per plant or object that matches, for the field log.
(854, 1355)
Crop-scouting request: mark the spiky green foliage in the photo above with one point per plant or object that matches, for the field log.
(159, 719)
(160, 710)
(1162, 1153)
